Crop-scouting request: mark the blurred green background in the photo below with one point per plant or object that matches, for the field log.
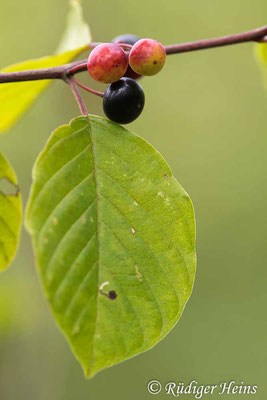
(206, 113)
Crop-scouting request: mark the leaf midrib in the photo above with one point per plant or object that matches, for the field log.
(98, 241)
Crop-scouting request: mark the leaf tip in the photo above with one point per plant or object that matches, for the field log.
(88, 370)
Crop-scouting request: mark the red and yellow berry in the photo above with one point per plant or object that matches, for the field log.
(107, 63)
(147, 57)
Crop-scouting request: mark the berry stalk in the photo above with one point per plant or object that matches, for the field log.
(77, 96)
(87, 88)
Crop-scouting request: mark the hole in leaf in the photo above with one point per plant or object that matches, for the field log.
(8, 188)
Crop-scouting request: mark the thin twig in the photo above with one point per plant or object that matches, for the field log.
(63, 71)
(77, 96)
(250, 36)
(77, 68)
(38, 74)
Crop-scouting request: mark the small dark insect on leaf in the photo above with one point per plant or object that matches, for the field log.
(112, 295)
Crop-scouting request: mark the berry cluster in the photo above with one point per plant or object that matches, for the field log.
(124, 99)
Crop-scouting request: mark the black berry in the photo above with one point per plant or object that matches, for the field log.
(123, 101)
(128, 39)
(112, 295)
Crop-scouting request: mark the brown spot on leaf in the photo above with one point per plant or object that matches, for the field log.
(138, 274)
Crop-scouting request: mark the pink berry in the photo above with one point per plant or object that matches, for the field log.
(107, 63)
(147, 57)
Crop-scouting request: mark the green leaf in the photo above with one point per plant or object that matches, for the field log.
(107, 219)
(16, 98)
(10, 213)
(261, 56)
(77, 32)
